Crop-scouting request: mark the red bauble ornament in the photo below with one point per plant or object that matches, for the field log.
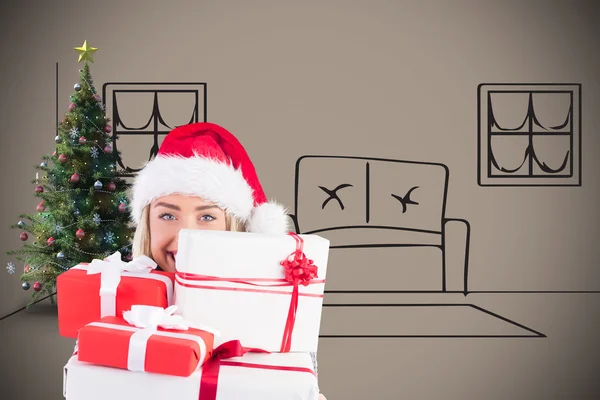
(122, 207)
(50, 241)
(62, 158)
(111, 186)
(40, 207)
(108, 149)
(96, 97)
(80, 233)
(23, 236)
(72, 106)
(108, 129)
(39, 189)
(82, 140)
(74, 178)
(37, 286)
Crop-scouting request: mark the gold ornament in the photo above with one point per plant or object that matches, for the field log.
(86, 52)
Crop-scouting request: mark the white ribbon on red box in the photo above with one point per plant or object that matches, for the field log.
(144, 321)
(112, 268)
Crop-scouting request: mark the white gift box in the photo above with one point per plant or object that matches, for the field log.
(256, 379)
(248, 298)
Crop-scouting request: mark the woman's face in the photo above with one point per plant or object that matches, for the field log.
(169, 214)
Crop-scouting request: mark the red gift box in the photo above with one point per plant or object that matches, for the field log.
(82, 299)
(112, 342)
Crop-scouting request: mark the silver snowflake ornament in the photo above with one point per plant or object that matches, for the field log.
(109, 238)
(97, 218)
(94, 152)
(57, 229)
(10, 267)
(74, 133)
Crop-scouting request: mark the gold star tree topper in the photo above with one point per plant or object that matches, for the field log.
(86, 52)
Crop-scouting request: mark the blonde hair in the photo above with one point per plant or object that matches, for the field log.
(141, 238)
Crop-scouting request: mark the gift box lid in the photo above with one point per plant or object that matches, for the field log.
(225, 253)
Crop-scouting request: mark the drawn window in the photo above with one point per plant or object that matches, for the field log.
(529, 135)
(143, 113)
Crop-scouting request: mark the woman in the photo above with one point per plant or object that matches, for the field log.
(201, 178)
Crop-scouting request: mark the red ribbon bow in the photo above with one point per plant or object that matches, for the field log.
(298, 270)
(210, 369)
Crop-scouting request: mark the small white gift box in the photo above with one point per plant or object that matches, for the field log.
(243, 285)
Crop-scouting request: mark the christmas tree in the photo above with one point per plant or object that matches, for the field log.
(83, 212)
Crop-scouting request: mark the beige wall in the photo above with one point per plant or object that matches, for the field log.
(388, 79)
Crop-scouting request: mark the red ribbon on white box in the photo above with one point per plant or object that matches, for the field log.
(209, 381)
(112, 268)
(298, 270)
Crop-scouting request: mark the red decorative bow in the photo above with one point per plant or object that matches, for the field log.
(298, 270)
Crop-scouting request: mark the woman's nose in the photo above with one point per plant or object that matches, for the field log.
(189, 223)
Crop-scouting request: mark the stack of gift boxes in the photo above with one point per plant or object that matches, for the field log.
(238, 319)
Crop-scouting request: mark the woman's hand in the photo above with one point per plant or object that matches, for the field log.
(321, 397)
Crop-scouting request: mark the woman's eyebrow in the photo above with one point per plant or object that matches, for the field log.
(202, 208)
(167, 205)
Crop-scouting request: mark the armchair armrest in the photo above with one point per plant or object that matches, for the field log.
(456, 241)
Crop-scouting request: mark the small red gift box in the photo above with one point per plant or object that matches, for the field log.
(88, 292)
(113, 342)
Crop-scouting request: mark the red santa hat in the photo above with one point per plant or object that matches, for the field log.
(205, 160)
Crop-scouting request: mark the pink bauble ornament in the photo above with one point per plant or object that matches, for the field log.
(74, 178)
(108, 129)
(72, 106)
(37, 286)
(111, 186)
(96, 97)
(23, 236)
(50, 241)
(39, 189)
(80, 234)
(108, 149)
(122, 207)
(62, 158)
(82, 140)
(40, 207)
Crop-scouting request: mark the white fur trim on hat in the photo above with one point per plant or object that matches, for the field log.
(212, 180)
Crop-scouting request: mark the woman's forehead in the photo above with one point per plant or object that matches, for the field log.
(181, 200)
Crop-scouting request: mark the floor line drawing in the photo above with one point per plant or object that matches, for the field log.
(465, 314)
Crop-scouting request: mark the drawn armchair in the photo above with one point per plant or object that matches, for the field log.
(386, 220)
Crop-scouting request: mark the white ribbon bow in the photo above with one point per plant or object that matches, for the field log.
(151, 317)
(110, 270)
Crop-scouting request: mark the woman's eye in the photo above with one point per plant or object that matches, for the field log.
(207, 218)
(167, 217)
